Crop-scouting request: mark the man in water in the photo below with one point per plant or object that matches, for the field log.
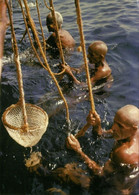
(67, 40)
(96, 54)
(101, 77)
(100, 72)
(121, 171)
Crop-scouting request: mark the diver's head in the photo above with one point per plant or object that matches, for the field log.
(97, 51)
(126, 122)
(49, 21)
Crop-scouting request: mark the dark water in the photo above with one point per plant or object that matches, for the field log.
(114, 22)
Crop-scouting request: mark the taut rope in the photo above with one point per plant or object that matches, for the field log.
(44, 42)
(80, 25)
(56, 31)
(18, 66)
(43, 55)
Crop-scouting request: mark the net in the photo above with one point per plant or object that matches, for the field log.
(37, 120)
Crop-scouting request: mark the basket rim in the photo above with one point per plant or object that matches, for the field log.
(21, 128)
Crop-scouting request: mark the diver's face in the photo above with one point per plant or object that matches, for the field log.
(120, 129)
(50, 26)
(93, 57)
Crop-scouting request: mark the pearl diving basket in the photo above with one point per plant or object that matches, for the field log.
(37, 120)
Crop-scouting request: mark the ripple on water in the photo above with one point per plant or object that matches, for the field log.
(114, 22)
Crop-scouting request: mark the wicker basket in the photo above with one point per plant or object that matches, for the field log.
(37, 120)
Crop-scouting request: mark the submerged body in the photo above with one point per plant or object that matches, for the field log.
(100, 71)
(96, 55)
(121, 171)
(67, 41)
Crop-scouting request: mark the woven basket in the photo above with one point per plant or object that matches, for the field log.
(37, 120)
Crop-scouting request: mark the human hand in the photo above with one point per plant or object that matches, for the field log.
(73, 143)
(67, 68)
(93, 119)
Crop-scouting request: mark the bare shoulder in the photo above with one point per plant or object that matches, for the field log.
(66, 39)
(65, 34)
(106, 69)
(126, 155)
(102, 72)
(62, 31)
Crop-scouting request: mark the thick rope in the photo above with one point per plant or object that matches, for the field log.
(34, 49)
(44, 57)
(47, 5)
(32, 45)
(59, 40)
(44, 42)
(56, 31)
(80, 25)
(18, 66)
(51, 8)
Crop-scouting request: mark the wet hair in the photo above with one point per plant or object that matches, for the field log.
(59, 18)
(98, 47)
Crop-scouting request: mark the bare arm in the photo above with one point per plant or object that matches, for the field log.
(83, 130)
(72, 143)
(68, 70)
(97, 170)
(101, 74)
(94, 120)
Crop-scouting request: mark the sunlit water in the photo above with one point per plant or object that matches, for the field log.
(114, 22)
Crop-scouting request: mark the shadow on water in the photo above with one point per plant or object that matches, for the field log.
(116, 24)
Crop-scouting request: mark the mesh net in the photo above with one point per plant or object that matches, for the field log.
(37, 120)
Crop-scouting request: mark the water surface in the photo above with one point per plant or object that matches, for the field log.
(114, 22)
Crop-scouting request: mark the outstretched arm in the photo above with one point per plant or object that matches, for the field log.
(72, 143)
(69, 71)
(83, 130)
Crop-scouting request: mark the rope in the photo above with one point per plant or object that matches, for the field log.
(47, 6)
(32, 45)
(56, 31)
(44, 57)
(44, 42)
(34, 49)
(59, 40)
(18, 66)
(59, 73)
(80, 25)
